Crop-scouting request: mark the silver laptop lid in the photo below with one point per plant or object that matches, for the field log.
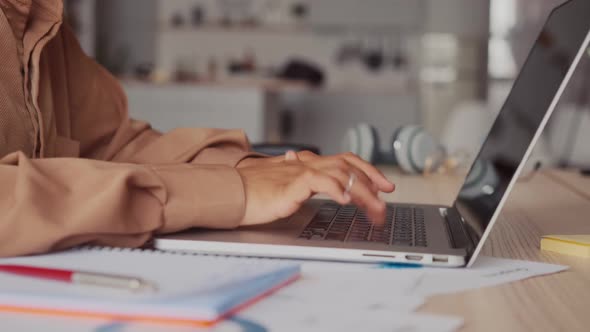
(534, 96)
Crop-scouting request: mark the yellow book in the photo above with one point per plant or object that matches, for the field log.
(575, 245)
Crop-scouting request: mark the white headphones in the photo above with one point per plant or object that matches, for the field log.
(411, 148)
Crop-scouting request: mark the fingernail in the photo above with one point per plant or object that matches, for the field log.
(346, 197)
(290, 155)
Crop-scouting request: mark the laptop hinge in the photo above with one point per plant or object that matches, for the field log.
(458, 232)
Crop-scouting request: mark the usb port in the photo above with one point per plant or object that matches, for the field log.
(439, 259)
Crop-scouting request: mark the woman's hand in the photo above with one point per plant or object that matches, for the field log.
(373, 173)
(277, 187)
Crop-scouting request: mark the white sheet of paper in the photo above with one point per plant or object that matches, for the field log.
(428, 281)
(302, 320)
(345, 322)
(486, 272)
(344, 289)
(341, 297)
(341, 301)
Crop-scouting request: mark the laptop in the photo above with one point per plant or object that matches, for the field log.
(450, 236)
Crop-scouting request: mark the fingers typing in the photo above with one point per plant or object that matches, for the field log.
(362, 192)
(371, 171)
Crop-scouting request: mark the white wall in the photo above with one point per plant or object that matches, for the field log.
(465, 18)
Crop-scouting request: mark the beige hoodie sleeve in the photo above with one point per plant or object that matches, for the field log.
(56, 203)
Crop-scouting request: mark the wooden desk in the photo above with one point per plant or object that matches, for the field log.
(536, 207)
(573, 180)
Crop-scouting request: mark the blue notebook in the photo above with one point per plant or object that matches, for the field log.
(192, 288)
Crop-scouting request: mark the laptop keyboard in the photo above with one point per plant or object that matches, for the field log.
(403, 226)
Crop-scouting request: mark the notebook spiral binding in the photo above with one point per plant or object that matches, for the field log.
(151, 250)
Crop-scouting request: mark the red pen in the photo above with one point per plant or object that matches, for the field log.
(81, 278)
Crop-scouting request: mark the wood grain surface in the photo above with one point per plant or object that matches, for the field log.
(573, 180)
(549, 203)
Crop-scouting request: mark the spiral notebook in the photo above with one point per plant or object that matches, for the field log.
(192, 288)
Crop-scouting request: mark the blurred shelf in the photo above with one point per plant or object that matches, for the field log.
(324, 29)
(267, 84)
(274, 85)
(212, 27)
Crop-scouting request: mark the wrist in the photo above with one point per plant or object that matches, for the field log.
(248, 162)
(258, 160)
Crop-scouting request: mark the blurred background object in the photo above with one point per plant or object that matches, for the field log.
(305, 71)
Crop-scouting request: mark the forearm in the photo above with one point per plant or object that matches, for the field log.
(51, 204)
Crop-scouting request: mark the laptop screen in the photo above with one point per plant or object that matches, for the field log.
(534, 94)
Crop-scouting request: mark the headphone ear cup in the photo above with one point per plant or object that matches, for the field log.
(413, 147)
(391, 153)
(401, 148)
(363, 141)
(426, 152)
